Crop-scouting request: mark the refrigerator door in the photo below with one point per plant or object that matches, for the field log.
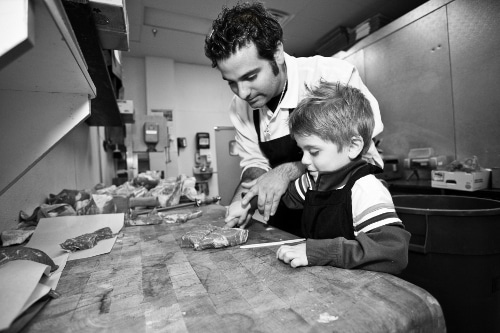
(228, 163)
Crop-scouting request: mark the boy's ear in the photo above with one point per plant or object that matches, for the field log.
(279, 54)
(356, 147)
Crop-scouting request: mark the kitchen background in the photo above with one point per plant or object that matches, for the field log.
(434, 71)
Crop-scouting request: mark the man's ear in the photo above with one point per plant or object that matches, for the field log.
(279, 54)
(355, 147)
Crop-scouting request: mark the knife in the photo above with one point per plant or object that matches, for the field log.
(290, 241)
(196, 203)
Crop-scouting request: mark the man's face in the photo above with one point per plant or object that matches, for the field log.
(320, 155)
(251, 78)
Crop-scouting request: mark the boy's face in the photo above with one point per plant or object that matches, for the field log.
(251, 78)
(320, 155)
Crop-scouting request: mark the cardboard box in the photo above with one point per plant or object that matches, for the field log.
(463, 181)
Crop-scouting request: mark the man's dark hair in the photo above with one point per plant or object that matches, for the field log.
(237, 27)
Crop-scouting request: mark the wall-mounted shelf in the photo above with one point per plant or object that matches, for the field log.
(45, 87)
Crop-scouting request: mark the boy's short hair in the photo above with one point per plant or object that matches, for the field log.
(239, 26)
(334, 112)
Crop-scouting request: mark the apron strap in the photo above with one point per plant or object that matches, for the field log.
(256, 120)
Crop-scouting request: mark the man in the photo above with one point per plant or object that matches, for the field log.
(246, 46)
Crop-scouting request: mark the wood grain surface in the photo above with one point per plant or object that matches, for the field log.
(149, 284)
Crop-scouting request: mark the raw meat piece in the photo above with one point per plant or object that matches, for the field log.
(149, 219)
(16, 236)
(87, 241)
(180, 217)
(196, 235)
(26, 253)
(209, 237)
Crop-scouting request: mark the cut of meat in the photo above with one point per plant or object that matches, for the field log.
(209, 237)
(196, 235)
(87, 241)
(26, 253)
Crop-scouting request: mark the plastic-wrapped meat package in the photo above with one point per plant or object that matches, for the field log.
(100, 204)
(213, 237)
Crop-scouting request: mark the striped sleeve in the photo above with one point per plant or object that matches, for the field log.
(372, 205)
(295, 195)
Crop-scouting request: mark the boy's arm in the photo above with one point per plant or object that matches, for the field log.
(384, 249)
(295, 193)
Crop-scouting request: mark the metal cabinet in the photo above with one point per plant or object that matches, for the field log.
(475, 65)
(408, 72)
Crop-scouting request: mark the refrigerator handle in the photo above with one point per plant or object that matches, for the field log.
(233, 149)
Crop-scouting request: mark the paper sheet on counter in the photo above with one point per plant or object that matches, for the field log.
(53, 279)
(20, 287)
(50, 232)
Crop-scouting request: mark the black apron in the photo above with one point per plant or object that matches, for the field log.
(279, 151)
(328, 214)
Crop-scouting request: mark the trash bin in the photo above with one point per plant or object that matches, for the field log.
(455, 255)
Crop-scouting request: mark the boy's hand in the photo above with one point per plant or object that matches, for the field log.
(269, 188)
(238, 215)
(293, 255)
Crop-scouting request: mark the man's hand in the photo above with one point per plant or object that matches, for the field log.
(270, 186)
(293, 255)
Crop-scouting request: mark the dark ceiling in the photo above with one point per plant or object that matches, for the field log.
(181, 25)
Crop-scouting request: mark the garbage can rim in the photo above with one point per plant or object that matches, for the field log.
(440, 211)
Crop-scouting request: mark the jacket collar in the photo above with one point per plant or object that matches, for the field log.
(291, 98)
(335, 179)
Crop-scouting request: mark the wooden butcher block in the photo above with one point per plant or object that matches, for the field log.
(148, 283)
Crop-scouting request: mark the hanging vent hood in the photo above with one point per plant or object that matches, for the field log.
(100, 28)
(110, 17)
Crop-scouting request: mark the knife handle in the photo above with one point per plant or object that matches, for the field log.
(208, 201)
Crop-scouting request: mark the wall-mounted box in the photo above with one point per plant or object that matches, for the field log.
(459, 180)
(126, 108)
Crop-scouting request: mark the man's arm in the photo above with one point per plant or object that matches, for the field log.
(270, 186)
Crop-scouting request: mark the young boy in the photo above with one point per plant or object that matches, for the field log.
(349, 218)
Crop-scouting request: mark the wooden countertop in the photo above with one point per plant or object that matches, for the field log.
(147, 283)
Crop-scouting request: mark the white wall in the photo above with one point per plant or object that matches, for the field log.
(200, 102)
(73, 163)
